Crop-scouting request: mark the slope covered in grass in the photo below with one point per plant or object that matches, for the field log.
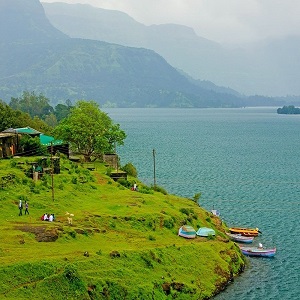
(122, 244)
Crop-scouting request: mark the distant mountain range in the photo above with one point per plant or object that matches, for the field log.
(35, 56)
(267, 68)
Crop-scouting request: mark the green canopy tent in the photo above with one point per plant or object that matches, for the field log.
(58, 145)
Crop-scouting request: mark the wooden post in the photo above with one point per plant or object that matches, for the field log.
(52, 179)
(154, 171)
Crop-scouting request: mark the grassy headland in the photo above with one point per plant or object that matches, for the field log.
(122, 244)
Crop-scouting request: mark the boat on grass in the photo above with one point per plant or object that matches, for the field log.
(245, 231)
(240, 238)
(187, 231)
(258, 251)
(204, 231)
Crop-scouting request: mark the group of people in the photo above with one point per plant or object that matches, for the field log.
(44, 217)
(21, 208)
(134, 188)
(47, 217)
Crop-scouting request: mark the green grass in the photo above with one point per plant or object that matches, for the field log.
(150, 261)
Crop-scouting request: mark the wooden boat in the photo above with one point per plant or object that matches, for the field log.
(187, 231)
(244, 231)
(204, 231)
(240, 238)
(258, 251)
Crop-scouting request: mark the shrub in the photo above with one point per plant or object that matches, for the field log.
(130, 169)
(151, 238)
(196, 197)
(145, 190)
(13, 163)
(169, 223)
(124, 182)
(160, 190)
(185, 211)
(74, 180)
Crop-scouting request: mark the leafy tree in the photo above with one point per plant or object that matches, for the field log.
(62, 111)
(51, 120)
(7, 117)
(10, 118)
(34, 105)
(90, 131)
(32, 146)
(130, 169)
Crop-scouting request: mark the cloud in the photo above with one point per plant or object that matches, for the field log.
(230, 21)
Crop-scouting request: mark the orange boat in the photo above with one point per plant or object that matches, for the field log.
(245, 231)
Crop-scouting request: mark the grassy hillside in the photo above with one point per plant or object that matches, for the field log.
(122, 244)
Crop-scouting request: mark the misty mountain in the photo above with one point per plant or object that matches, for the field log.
(37, 57)
(269, 68)
(25, 21)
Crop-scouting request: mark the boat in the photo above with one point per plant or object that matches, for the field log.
(258, 251)
(245, 231)
(215, 212)
(187, 231)
(240, 238)
(204, 231)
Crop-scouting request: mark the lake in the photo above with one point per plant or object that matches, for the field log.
(245, 162)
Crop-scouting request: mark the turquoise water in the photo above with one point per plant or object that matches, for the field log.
(245, 162)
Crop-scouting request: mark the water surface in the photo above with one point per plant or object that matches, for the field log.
(245, 162)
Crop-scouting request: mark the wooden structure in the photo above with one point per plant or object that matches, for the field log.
(115, 175)
(8, 144)
(112, 160)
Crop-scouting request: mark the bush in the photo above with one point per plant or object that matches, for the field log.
(145, 190)
(160, 190)
(185, 211)
(130, 169)
(124, 182)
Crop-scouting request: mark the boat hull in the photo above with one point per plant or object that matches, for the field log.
(244, 231)
(187, 232)
(240, 238)
(205, 232)
(256, 251)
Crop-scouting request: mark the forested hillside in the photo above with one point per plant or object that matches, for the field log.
(45, 61)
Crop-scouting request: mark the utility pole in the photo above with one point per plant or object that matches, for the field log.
(52, 181)
(154, 175)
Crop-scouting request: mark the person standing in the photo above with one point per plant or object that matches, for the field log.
(26, 208)
(20, 208)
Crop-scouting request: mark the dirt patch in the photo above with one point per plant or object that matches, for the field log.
(42, 233)
(101, 180)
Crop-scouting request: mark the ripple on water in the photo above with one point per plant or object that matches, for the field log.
(245, 162)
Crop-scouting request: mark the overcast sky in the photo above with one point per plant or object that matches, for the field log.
(224, 21)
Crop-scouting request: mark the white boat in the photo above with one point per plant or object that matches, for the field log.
(240, 238)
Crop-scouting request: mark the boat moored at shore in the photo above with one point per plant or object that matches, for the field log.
(258, 251)
(245, 231)
(240, 238)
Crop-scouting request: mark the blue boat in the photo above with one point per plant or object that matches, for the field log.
(258, 251)
(204, 231)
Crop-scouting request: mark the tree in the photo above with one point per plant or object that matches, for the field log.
(90, 131)
(10, 118)
(61, 111)
(34, 105)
